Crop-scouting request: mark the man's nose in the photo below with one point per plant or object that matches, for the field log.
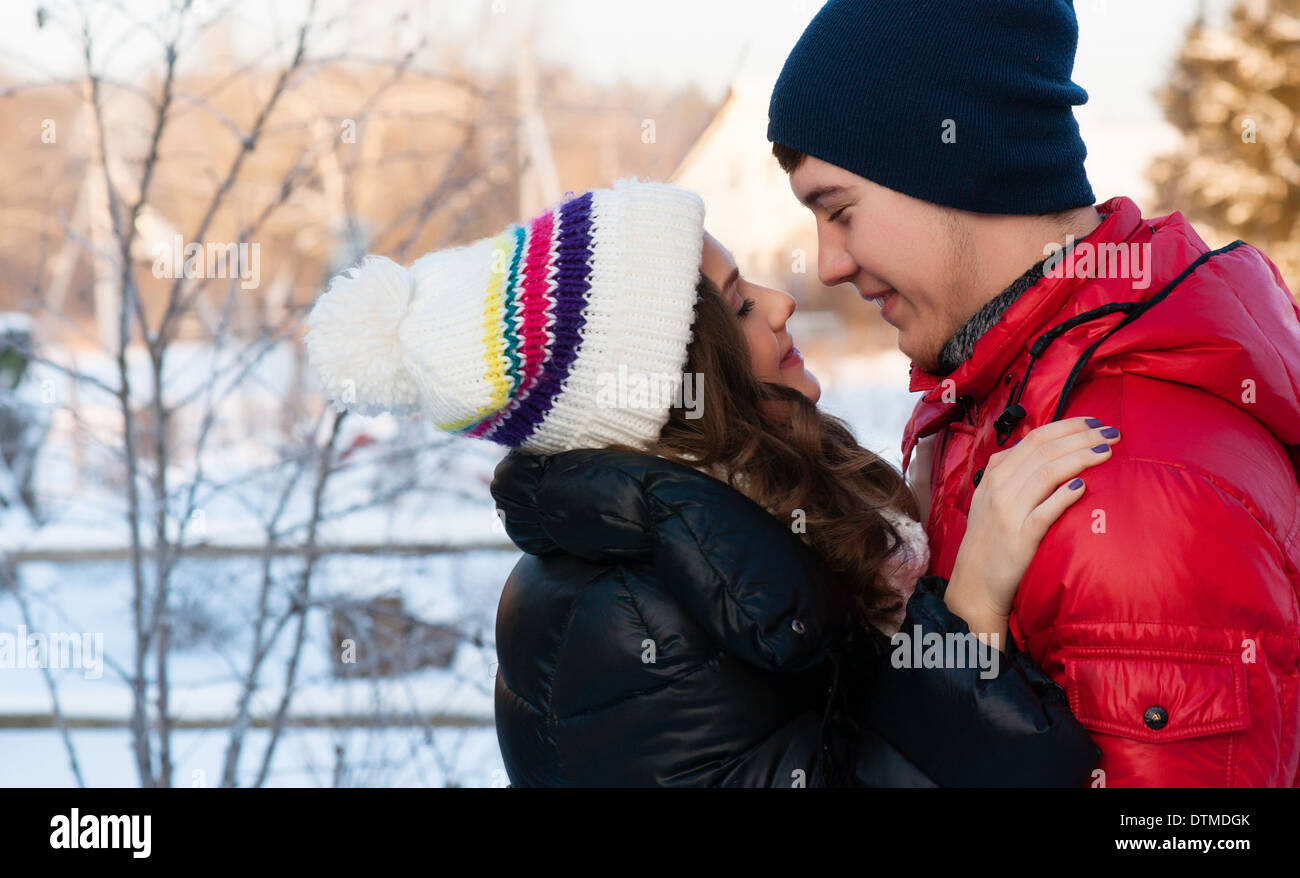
(834, 264)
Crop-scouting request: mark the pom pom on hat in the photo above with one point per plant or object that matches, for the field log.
(355, 342)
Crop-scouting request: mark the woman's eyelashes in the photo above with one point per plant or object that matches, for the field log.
(746, 307)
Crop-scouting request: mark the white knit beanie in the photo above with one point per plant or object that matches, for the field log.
(527, 338)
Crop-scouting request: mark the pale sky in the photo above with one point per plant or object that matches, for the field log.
(1125, 48)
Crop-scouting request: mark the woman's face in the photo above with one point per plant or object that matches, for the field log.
(762, 314)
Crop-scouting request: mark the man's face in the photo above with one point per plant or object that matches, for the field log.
(882, 241)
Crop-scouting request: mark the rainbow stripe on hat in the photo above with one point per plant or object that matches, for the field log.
(534, 317)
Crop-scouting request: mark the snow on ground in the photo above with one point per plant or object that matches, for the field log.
(391, 757)
(449, 505)
(94, 599)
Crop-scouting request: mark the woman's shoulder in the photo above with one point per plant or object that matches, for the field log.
(736, 570)
(611, 504)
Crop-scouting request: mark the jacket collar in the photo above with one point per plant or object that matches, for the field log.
(999, 347)
(1230, 320)
(1006, 341)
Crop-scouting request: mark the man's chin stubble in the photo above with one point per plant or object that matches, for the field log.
(926, 361)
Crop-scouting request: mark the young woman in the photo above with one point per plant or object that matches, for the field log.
(709, 576)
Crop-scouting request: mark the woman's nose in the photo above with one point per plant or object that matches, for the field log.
(781, 307)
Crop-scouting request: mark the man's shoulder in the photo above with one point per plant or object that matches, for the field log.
(1168, 425)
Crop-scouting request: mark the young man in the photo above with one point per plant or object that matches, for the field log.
(936, 146)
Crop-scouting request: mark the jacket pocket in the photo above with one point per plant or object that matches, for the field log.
(1156, 695)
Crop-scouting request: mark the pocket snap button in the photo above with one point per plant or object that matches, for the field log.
(1156, 717)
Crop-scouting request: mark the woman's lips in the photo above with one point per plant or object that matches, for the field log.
(792, 358)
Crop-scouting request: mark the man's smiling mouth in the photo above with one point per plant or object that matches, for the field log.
(879, 297)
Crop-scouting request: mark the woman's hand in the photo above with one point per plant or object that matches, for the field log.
(1023, 491)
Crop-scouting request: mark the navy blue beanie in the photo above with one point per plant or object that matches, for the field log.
(964, 103)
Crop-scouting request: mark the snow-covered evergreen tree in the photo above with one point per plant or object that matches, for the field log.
(1235, 95)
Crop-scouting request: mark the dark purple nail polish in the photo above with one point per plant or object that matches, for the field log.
(1076, 484)
(1100, 449)
(1110, 432)
(1093, 422)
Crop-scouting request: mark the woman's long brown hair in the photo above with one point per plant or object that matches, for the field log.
(774, 445)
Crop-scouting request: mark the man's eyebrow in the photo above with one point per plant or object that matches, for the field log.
(821, 192)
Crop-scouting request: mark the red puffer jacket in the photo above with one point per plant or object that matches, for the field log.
(1165, 600)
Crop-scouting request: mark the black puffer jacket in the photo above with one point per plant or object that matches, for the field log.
(663, 629)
